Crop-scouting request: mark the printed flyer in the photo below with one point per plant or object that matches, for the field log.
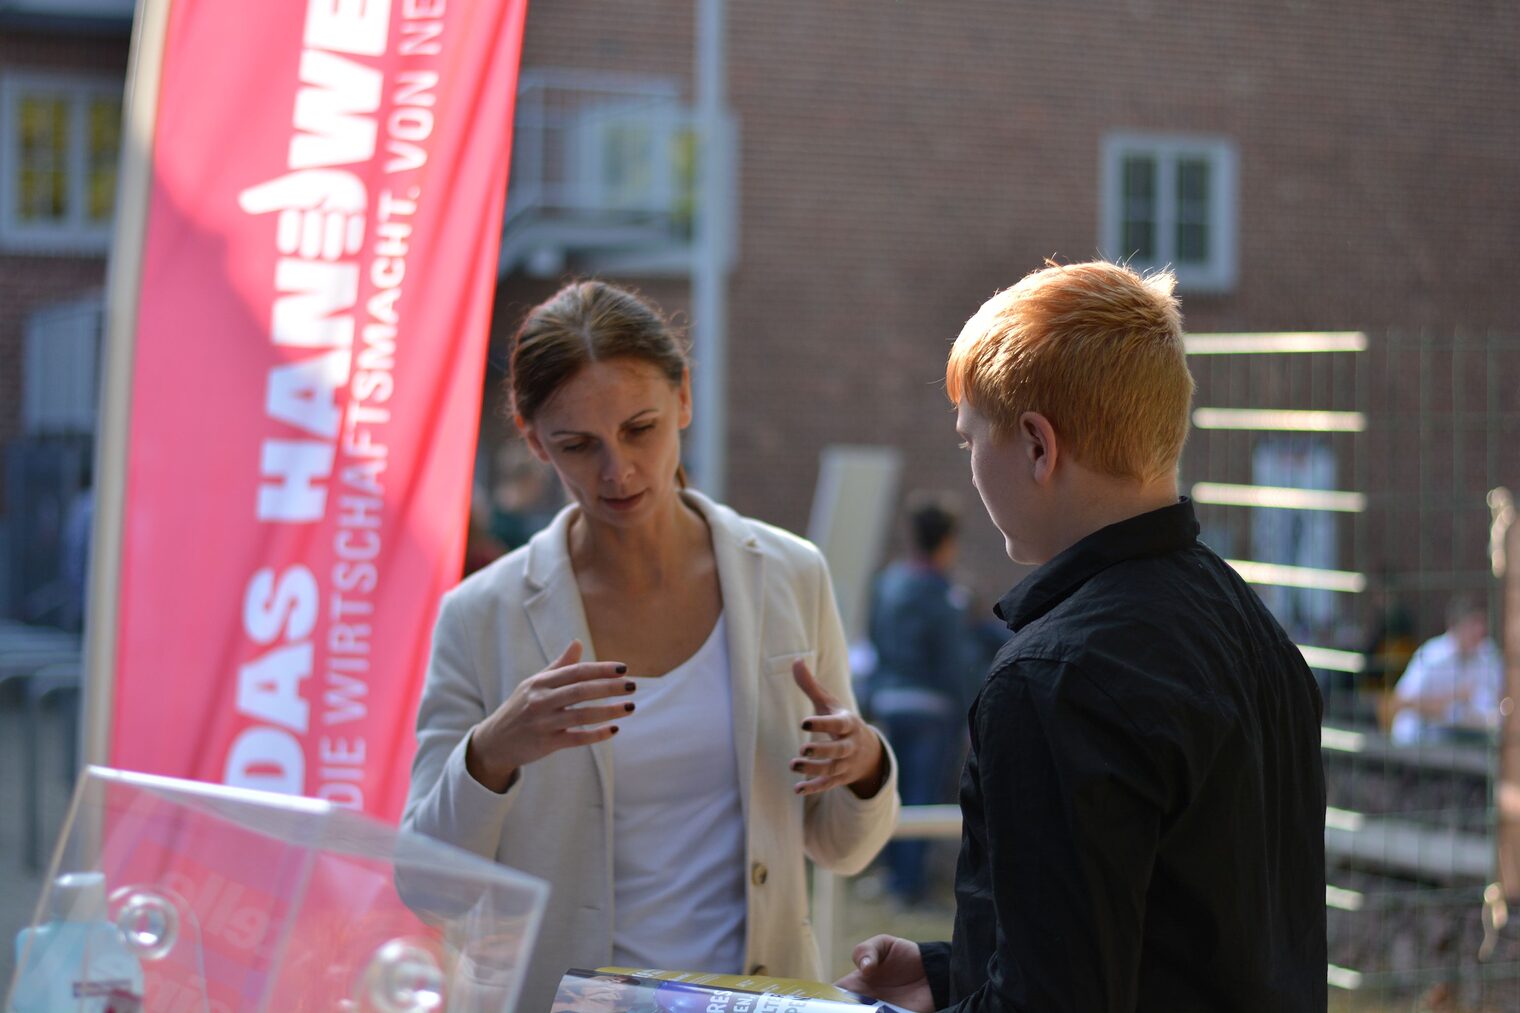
(628, 990)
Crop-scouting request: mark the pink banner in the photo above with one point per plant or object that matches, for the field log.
(318, 270)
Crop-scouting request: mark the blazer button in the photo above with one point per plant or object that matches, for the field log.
(758, 876)
(759, 969)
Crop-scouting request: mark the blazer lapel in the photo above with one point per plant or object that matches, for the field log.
(557, 616)
(741, 576)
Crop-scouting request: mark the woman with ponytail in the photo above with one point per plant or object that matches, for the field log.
(649, 704)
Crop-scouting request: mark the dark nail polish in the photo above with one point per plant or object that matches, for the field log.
(614, 729)
(628, 686)
(807, 752)
(622, 670)
(628, 706)
(796, 766)
(807, 726)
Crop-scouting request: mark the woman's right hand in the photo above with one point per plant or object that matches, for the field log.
(541, 717)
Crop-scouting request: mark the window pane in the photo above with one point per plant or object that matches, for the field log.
(1192, 210)
(684, 155)
(1138, 208)
(628, 163)
(1139, 242)
(1192, 181)
(104, 152)
(1192, 243)
(42, 160)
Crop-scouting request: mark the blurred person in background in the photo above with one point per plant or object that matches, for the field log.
(481, 547)
(523, 499)
(627, 706)
(1389, 641)
(1143, 806)
(78, 523)
(1452, 686)
(916, 692)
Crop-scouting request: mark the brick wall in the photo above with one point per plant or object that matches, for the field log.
(29, 281)
(902, 161)
(653, 37)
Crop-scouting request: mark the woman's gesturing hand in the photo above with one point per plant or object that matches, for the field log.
(547, 712)
(843, 750)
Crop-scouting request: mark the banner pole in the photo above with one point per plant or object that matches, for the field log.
(123, 280)
(710, 251)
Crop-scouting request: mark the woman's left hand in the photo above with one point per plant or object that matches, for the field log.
(843, 750)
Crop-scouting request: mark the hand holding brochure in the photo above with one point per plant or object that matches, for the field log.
(626, 990)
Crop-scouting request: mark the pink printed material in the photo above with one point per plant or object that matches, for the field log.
(328, 183)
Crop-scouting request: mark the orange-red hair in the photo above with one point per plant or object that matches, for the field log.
(1096, 349)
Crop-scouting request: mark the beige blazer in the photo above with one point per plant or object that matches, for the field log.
(509, 620)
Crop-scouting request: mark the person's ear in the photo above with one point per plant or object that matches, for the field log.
(1041, 451)
(684, 394)
(530, 437)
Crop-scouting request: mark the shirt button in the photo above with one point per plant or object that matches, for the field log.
(758, 969)
(758, 876)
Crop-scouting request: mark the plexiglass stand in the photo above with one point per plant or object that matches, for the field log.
(181, 896)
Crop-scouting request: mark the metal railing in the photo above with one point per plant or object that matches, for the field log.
(602, 164)
(596, 143)
(914, 822)
(1417, 845)
(1347, 475)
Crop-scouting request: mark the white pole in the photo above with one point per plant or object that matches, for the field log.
(709, 282)
(123, 277)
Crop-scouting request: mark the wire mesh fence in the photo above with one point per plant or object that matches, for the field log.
(1358, 480)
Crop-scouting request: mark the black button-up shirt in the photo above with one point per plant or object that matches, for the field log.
(1144, 802)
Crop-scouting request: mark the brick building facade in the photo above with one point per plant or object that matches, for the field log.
(899, 162)
(32, 277)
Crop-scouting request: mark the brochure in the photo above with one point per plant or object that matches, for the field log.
(632, 990)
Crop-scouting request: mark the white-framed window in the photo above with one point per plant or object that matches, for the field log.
(1170, 200)
(60, 140)
(636, 157)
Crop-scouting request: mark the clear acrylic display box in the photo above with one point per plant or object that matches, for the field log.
(181, 896)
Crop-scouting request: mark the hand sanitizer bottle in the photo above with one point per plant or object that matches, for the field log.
(78, 960)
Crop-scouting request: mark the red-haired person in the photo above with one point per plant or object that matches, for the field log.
(1143, 803)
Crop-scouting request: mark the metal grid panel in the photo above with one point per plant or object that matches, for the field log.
(1348, 477)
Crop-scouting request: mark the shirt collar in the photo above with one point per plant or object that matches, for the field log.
(1149, 534)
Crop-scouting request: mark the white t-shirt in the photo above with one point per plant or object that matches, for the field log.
(1436, 669)
(678, 825)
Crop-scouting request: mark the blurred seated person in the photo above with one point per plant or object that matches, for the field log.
(1390, 641)
(918, 627)
(1452, 686)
